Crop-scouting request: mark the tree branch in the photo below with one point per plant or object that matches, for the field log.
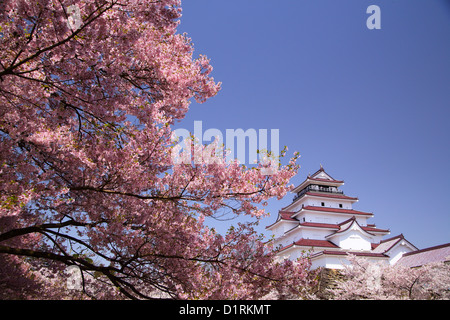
(9, 70)
(40, 228)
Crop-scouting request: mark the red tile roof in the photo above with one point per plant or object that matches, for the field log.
(315, 243)
(337, 210)
(418, 258)
(372, 229)
(344, 253)
(311, 243)
(286, 215)
(329, 195)
(319, 225)
(325, 180)
(321, 170)
(322, 195)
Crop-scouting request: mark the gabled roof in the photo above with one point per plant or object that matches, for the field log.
(321, 174)
(347, 226)
(419, 258)
(319, 177)
(388, 244)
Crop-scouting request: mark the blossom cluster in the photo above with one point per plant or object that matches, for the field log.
(87, 109)
(365, 279)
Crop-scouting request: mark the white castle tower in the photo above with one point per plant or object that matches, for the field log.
(321, 221)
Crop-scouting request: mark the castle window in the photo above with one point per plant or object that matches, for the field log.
(340, 205)
(323, 204)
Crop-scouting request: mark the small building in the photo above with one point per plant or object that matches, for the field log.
(321, 222)
(419, 258)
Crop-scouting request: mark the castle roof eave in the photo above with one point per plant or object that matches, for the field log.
(334, 227)
(351, 222)
(322, 195)
(331, 195)
(281, 221)
(316, 255)
(310, 243)
(283, 216)
(309, 180)
(315, 178)
(333, 210)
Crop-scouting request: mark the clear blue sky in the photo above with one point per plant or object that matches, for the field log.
(371, 106)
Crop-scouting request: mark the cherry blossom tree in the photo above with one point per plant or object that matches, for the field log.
(363, 279)
(89, 93)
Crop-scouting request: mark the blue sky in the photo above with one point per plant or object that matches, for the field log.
(371, 106)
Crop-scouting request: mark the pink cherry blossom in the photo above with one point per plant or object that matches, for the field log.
(363, 279)
(87, 110)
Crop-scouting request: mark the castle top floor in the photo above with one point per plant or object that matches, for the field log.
(322, 190)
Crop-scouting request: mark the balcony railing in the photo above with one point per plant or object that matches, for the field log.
(317, 188)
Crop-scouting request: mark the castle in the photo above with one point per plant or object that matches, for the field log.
(321, 221)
